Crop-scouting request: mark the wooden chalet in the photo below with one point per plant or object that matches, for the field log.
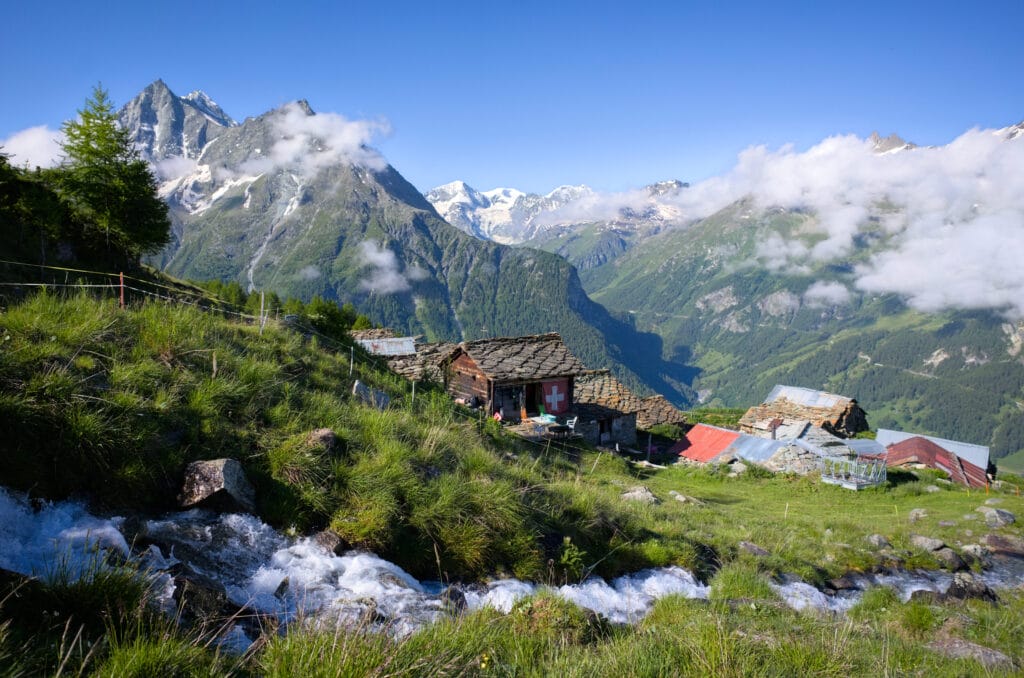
(515, 375)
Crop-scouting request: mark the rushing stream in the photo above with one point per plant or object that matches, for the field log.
(274, 574)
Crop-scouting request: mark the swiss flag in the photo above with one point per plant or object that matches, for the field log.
(556, 396)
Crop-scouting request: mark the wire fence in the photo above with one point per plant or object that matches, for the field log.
(208, 302)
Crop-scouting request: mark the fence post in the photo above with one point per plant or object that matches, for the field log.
(122, 288)
(351, 360)
(261, 313)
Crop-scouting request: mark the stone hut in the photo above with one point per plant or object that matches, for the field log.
(837, 414)
(607, 410)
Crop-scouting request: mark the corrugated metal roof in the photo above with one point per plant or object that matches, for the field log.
(806, 396)
(865, 446)
(754, 449)
(921, 450)
(390, 346)
(704, 443)
(975, 454)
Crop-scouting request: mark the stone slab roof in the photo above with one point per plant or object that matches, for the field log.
(427, 363)
(375, 333)
(656, 410)
(601, 388)
(518, 359)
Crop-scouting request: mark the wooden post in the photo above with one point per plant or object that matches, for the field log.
(413, 392)
(261, 312)
(351, 359)
(122, 289)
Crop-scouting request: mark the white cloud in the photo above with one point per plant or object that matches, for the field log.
(309, 143)
(952, 217)
(385, 276)
(822, 293)
(309, 273)
(173, 168)
(34, 147)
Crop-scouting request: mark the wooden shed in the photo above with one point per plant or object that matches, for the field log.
(512, 374)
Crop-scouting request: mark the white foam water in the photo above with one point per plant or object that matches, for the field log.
(293, 578)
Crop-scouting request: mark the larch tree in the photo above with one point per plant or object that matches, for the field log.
(108, 184)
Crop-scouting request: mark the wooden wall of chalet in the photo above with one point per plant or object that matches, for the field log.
(465, 379)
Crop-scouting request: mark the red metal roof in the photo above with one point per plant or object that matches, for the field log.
(703, 443)
(923, 451)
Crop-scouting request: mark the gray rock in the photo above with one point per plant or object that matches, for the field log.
(323, 438)
(976, 553)
(926, 543)
(219, 485)
(682, 498)
(994, 501)
(949, 559)
(1006, 544)
(917, 514)
(956, 648)
(996, 517)
(965, 585)
(640, 494)
(947, 523)
(331, 541)
(878, 541)
(454, 599)
(932, 488)
(738, 467)
(754, 549)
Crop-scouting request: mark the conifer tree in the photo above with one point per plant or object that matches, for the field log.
(108, 184)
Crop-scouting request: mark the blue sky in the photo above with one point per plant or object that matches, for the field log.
(533, 95)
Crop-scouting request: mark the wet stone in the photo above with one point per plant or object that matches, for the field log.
(966, 586)
(949, 559)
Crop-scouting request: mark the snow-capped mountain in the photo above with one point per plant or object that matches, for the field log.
(510, 216)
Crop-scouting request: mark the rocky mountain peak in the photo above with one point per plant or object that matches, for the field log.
(165, 125)
(893, 142)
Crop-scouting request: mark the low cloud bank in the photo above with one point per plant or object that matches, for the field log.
(309, 143)
(951, 218)
(386, 276)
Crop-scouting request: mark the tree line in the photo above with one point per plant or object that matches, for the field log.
(99, 204)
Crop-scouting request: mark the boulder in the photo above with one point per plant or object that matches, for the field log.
(754, 549)
(640, 494)
(1005, 544)
(966, 586)
(926, 543)
(996, 517)
(993, 501)
(454, 599)
(949, 559)
(932, 488)
(219, 485)
(878, 541)
(917, 514)
(976, 553)
(947, 523)
(682, 498)
(323, 438)
(957, 648)
(331, 541)
(738, 467)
